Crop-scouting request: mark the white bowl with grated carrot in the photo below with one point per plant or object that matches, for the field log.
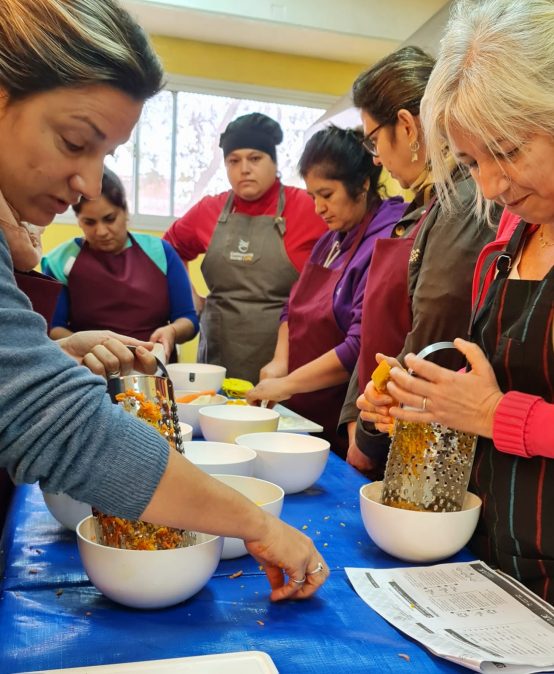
(189, 404)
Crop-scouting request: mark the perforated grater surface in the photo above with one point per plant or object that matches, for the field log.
(429, 465)
(149, 398)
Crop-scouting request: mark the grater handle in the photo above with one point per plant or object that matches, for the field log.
(431, 348)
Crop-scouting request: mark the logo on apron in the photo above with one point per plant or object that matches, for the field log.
(242, 254)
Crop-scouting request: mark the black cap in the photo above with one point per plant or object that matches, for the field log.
(256, 131)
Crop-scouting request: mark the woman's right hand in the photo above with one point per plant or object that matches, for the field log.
(373, 405)
(285, 551)
(105, 352)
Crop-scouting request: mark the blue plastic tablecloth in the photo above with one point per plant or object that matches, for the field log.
(51, 616)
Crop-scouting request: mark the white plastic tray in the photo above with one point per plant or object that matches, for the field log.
(248, 662)
(294, 423)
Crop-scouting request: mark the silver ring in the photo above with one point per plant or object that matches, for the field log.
(299, 582)
(424, 404)
(115, 373)
(317, 569)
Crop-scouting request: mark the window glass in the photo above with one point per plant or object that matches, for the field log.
(175, 149)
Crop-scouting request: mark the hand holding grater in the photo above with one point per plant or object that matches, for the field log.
(429, 465)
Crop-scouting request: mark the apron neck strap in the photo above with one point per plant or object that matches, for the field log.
(503, 261)
(226, 209)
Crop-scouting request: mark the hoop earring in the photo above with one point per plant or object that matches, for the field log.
(414, 147)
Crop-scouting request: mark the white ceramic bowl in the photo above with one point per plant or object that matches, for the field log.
(196, 376)
(223, 423)
(188, 412)
(292, 460)
(267, 495)
(417, 536)
(221, 457)
(66, 509)
(148, 578)
(186, 431)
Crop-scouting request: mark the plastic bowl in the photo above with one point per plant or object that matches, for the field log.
(267, 495)
(188, 412)
(148, 578)
(68, 511)
(220, 457)
(196, 376)
(186, 431)
(291, 460)
(223, 423)
(417, 536)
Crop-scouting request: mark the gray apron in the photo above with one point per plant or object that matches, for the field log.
(249, 276)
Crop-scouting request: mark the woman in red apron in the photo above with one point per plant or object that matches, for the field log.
(419, 282)
(319, 336)
(256, 239)
(507, 394)
(132, 284)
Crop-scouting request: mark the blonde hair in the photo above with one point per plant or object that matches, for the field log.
(494, 79)
(45, 44)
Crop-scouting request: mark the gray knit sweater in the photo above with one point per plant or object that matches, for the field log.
(58, 426)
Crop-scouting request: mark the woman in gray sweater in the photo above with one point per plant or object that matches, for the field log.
(73, 80)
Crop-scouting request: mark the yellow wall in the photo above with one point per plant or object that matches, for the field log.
(255, 67)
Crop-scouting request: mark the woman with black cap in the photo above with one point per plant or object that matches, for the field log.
(256, 237)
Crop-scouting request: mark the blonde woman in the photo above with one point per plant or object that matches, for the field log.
(73, 79)
(491, 98)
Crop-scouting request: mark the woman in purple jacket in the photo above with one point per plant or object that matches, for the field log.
(319, 336)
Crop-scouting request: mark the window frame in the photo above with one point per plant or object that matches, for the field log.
(196, 85)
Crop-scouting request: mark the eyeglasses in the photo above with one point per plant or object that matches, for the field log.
(369, 143)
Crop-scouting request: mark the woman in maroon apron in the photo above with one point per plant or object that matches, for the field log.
(419, 283)
(319, 337)
(131, 284)
(507, 396)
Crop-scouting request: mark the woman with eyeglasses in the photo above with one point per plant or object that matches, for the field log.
(418, 288)
(319, 336)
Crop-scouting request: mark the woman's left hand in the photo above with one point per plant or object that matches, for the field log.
(105, 352)
(465, 401)
(273, 389)
(166, 336)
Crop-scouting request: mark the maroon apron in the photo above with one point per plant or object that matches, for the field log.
(42, 290)
(386, 294)
(127, 293)
(313, 331)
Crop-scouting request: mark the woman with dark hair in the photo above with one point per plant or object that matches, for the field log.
(419, 283)
(319, 337)
(134, 284)
(74, 77)
(256, 238)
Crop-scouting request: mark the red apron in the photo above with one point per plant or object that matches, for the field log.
(386, 294)
(42, 290)
(126, 293)
(313, 331)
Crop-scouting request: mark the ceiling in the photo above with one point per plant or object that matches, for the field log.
(354, 31)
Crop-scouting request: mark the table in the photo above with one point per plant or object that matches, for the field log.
(51, 616)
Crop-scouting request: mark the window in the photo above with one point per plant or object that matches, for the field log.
(173, 158)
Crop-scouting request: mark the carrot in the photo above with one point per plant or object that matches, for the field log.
(192, 396)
